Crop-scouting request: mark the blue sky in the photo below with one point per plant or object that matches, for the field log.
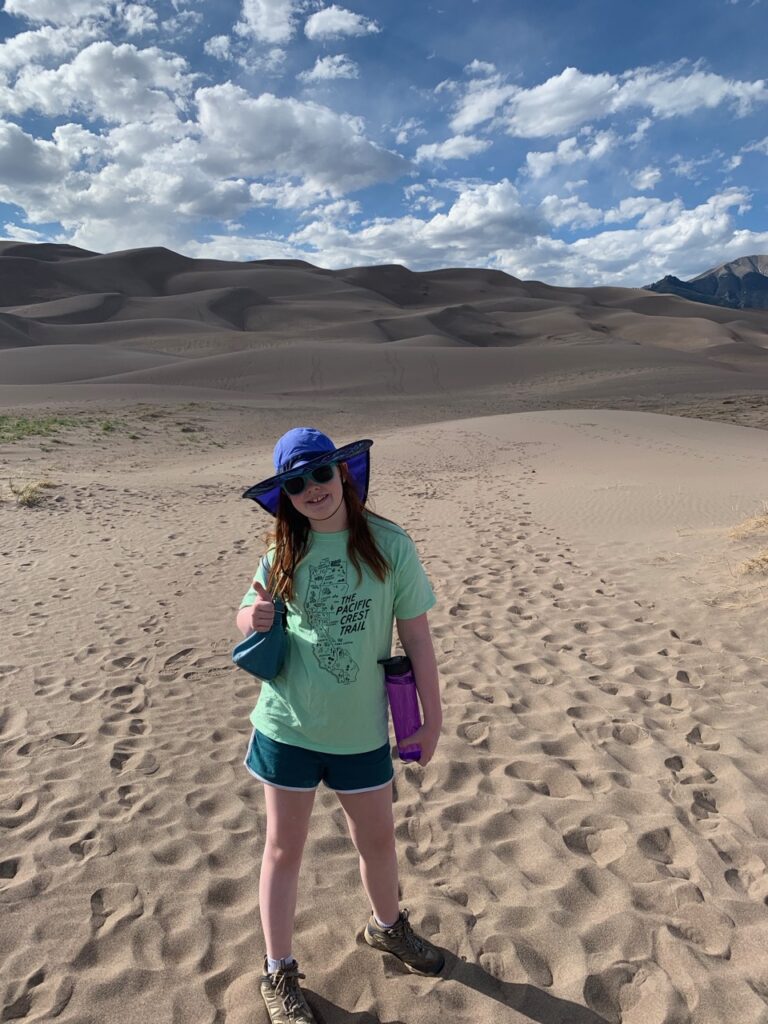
(590, 143)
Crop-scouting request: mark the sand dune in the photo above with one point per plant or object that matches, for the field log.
(590, 844)
(156, 300)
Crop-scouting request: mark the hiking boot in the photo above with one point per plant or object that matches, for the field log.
(418, 955)
(285, 1000)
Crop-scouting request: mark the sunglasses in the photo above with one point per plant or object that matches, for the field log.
(322, 475)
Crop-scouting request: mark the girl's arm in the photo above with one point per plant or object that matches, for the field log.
(416, 639)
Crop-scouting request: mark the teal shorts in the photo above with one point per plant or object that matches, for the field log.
(288, 767)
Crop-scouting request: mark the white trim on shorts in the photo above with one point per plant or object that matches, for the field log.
(294, 789)
(368, 789)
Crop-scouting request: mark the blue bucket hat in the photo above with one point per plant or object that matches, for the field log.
(303, 449)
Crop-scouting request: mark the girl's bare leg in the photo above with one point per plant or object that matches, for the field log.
(372, 828)
(288, 813)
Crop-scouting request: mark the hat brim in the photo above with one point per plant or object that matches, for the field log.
(358, 460)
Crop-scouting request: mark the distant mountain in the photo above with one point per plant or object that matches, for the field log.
(740, 284)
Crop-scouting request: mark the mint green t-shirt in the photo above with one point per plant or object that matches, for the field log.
(330, 694)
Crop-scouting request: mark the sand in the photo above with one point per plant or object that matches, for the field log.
(590, 842)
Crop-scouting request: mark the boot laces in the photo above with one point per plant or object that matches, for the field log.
(286, 983)
(408, 935)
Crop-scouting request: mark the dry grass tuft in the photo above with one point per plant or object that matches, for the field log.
(32, 494)
(758, 564)
(750, 527)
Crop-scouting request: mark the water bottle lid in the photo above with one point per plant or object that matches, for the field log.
(399, 665)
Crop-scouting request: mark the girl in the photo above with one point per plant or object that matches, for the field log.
(345, 574)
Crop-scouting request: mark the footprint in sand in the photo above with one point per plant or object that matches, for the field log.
(84, 693)
(169, 669)
(85, 652)
(93, 844)
(18, 810)
(13, 722)
(675, 702)
(475, 733)
(703, 736)
(21, 879)
(601, 838)
(704, 927)
(40, 996)
(684, 677)
(48, 686)
(630, 734)
(704, 804)
(687, 776)
(639, 984)
(115, 903)
(671, 849)
(747, 876)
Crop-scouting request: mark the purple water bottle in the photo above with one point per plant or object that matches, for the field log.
(403, 702)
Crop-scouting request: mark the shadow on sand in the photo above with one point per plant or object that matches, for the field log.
(531, 1003)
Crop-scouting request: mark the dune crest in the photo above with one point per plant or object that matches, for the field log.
(476, 326)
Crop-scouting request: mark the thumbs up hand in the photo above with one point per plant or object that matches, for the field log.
(263, 610)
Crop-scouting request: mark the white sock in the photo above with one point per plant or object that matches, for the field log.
(275, 965)
(381, 923)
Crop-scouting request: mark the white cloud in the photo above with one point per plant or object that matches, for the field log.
(570, 211)
(569, 151)
(240, 52)
(669, 94)
(138, 19)
(286, 195)
(483, 217)
(181, 24)
(426, 202)
(560, 104)
(334, 21)
(20, 234)
(460, 147)
(151, 181)
(45, 45)
(481, 99)
(646, 179)
(418, 198)
(232, 247)
(26, 161)
(326, 68)
(268, 21)
(488, 225)
(480, 67)
(289, 138)
(340, 212)
(405, 129)
(757, 147)
(652, 211)
(57, 12)
(271, 62)
(572, 98)
(219, 47)
(116, 83)
(690, 168)
(641, 130)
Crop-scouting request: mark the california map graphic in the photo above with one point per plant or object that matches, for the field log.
(332, 611)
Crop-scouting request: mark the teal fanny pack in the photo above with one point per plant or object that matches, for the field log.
(262, 654)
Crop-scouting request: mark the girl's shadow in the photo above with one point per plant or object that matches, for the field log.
(531, 1003)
